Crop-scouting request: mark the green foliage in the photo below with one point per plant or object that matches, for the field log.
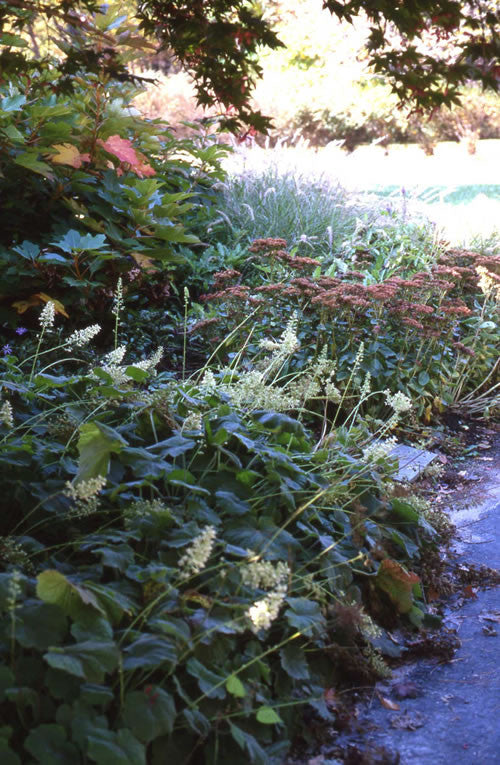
(174, 566)
(428, 52)
(92, 191)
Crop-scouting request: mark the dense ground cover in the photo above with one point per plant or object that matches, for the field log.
(198, 541)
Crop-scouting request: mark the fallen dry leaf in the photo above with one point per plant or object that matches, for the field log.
(408, 721)
(388, 704)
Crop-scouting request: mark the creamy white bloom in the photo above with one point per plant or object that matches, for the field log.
(118, 298)
(398, 401)
(81, 337)
(196, 556)
(47, 316)
(251, 390)
(379, 449)
(486, 283)
(209, 382)
(269, 345)
(264, 574)
(85, 490)
(263, 612)
(148, 365)
(332, 393)
(366, 387)
(6, 414)
(84, 496)
(194, 421)
(116, 356)
(289, 340)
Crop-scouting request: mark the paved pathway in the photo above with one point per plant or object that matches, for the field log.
(459, 709)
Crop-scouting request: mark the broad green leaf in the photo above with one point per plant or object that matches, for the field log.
(279, 423)
(74, 599)
(14, 134)
(294, 662)
(7, 680)
(105, 747)
(27, 250)
(149, 651)
(13, 41)
(210, 683)
(96, 444)
(49, 746)
(73, 240)
(39, 625)
(423, 378)
(149, 713)
(235, 687)
(268, 716)
(249, 744)
(305, 615)
(65, 663)
(90, 659)
(136, 374)
(229, 502)
(29, 160)
(12, 103)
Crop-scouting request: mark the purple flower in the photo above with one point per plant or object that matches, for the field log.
(21, 330)
(6, 350)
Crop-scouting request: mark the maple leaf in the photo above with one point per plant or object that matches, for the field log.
(68, 154)
(122, 149)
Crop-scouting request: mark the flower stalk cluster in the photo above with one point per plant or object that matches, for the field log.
(196, 556)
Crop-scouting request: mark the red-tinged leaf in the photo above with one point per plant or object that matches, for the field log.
(141, 168)
(397, 583)
(122, 149)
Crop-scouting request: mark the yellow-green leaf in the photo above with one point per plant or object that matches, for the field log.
(268, 716)
(74, 599)
(235, 686)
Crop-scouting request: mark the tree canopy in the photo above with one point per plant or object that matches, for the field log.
(426, 49)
